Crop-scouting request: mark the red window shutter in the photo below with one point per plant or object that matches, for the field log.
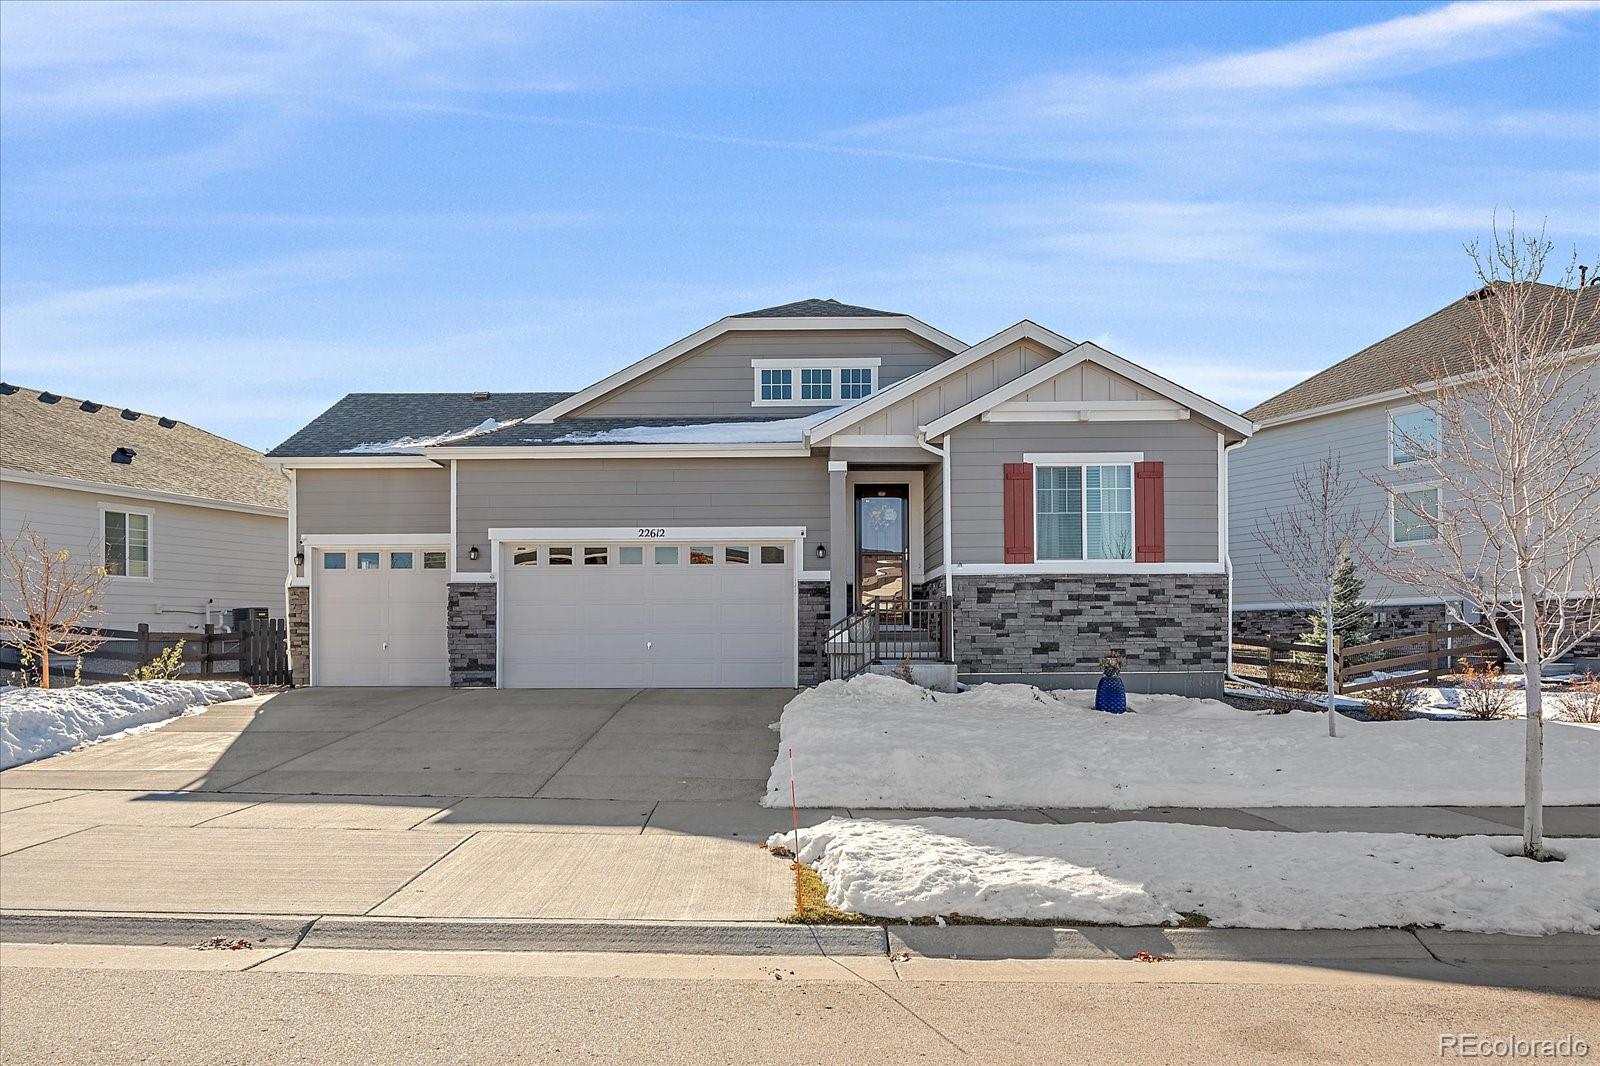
(1019, 512)
(1150, 513)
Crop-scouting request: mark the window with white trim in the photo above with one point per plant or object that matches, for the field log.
(777, 385)
(126, 536)
(816, 383)
(813, 382)
(855, 382)
(1413, 435)
(1414, 515)
(1083, 511)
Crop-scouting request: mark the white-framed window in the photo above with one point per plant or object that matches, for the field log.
(666, 554)
(1413, 435)
(333, 560)
(1414, 515)
(559, 556)
(1083, 511)
(401, 560)
(630, 555)
(702, 555)
(596, 556)
(812, 382)
(126, 536)
(772, 554)
(367, 560)
(736, 554)
(525, 557)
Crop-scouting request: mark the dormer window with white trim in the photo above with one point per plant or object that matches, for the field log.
(812, 382)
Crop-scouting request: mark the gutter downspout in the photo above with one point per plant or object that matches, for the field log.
(944, 500)
(1223, 522)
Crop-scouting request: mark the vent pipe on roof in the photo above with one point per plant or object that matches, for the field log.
(480, 396)
(166, 423)
(123, 456)
(88, 407)
(7, 389)
(131, 416)
(49, 397)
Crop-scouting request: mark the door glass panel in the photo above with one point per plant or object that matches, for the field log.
(560, 557)
(736, 553)
(596, 556)
(400, 560)
(881, 537)
(666, 555)
(366, 560)
(702, 555)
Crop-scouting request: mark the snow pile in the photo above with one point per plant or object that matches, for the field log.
(35, 722)
(1146, 873)
(743, 431)
(411, 444)
(875, 741)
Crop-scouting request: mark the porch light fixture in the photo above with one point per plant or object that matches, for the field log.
(472, 553)
(300, 558)
(822, 551)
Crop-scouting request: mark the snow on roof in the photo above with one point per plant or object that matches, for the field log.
(411, 444)
(745, 431)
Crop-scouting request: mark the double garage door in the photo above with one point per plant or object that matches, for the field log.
(378, 618)
(658, 614)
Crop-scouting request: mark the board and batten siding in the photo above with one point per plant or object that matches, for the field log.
(930, 402)
(932, 516)
(197, 554)
(630, 493)
(1187, 447)
(716, 379)
(367, 500)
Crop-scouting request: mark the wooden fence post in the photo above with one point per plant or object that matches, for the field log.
(144, 643)
(205, 654)
(1338, 664)
(1433, 652)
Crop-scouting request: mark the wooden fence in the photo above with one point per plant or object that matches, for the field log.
(256, 652)
(1423, 657)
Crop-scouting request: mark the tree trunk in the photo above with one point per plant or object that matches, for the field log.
(44, 664)
(1533, 706)
(1333, 682)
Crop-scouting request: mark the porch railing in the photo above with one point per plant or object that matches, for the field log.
(890, 631)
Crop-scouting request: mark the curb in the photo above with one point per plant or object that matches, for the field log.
(174, 930)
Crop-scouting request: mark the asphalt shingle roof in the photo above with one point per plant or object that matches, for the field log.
(57, 436)
(1411, 356)
(818, 309)
(376, 417)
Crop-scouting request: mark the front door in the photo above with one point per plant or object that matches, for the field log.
(883, 555)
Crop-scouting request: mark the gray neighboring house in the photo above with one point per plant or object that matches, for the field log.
(703, 516)
(1361, 410)
(189, 525)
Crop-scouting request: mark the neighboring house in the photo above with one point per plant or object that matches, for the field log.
(1362, 411)
(702, 516)
(189, 525)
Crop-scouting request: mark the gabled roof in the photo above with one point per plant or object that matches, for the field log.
(1412, 356)
(815, 308)
(54, 436)
(401, 423)
(837, 317)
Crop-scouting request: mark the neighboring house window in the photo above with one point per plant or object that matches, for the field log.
(1414, 515)
(855, 383)
(816, 384)
(1084, 511)
(1413, 435)
(126, 535)
(777, 384)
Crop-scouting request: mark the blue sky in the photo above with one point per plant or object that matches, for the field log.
(236, 214)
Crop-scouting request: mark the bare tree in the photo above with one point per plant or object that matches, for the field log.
(1515, 453)
(1310, 540)
(48, 600)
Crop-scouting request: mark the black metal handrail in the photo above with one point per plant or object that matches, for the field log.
(889, 630)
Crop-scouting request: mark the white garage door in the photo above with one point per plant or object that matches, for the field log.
(669, 615)
(379, 618)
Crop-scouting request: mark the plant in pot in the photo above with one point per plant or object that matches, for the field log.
(1111, 694)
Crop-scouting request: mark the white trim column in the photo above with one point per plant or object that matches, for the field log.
(842, 549)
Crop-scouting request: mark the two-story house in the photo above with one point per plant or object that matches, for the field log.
(1364, 411)
(703, 516)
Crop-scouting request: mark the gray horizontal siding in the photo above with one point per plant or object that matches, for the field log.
(932, 517)
(639, 492)
(981, 449)
(345, 502)
(716, 379)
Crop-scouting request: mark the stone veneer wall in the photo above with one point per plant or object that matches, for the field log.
(299, 635)
(812, 626)
(470, 633)
(1052, 629)
(1391, 622)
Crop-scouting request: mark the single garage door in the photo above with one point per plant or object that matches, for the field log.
(379, 618)
(663, 615)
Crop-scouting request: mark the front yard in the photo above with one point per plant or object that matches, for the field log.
(878, 742)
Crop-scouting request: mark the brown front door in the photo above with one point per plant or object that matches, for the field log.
(883, 545)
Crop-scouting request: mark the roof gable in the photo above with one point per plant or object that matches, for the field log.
(79, 440)
(815, 308)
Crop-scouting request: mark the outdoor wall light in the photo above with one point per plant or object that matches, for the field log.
(472, 553)
(299, 558)
(822, 551)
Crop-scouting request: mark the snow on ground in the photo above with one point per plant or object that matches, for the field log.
(876, 741)
(35, 722)
(1149, 873)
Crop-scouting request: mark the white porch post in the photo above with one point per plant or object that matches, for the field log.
(841, 549)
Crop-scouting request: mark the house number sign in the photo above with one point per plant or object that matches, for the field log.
(651, 533)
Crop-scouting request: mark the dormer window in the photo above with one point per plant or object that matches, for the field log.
(812, 382)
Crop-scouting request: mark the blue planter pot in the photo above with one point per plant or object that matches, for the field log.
(1111, 695)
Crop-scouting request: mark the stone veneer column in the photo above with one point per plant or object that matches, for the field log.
(812, 626)
(470, 633)
(299, 635)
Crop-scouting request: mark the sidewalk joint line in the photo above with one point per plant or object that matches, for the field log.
(890, 996)
(52, 840)
(451, 851)
(305, 931)
(585, 743)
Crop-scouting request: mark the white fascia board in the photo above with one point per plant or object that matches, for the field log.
(343, 541)
(910, 386)
(626, 451)
(876, 440)
(106, 488)
(773, 362)
(643, 534)
(729, 325)
(1172, 390)
(1081, 458)
(1077, 566)
(364, 462)
(1087, 411)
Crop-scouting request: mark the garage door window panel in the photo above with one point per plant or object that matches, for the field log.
(596, 556)
(333, 560)
(702, 555)
(737, 554)
(367, 560)
(630, 556)
(401, 560)
(560, 557)
(772, 554)
(666, 555)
